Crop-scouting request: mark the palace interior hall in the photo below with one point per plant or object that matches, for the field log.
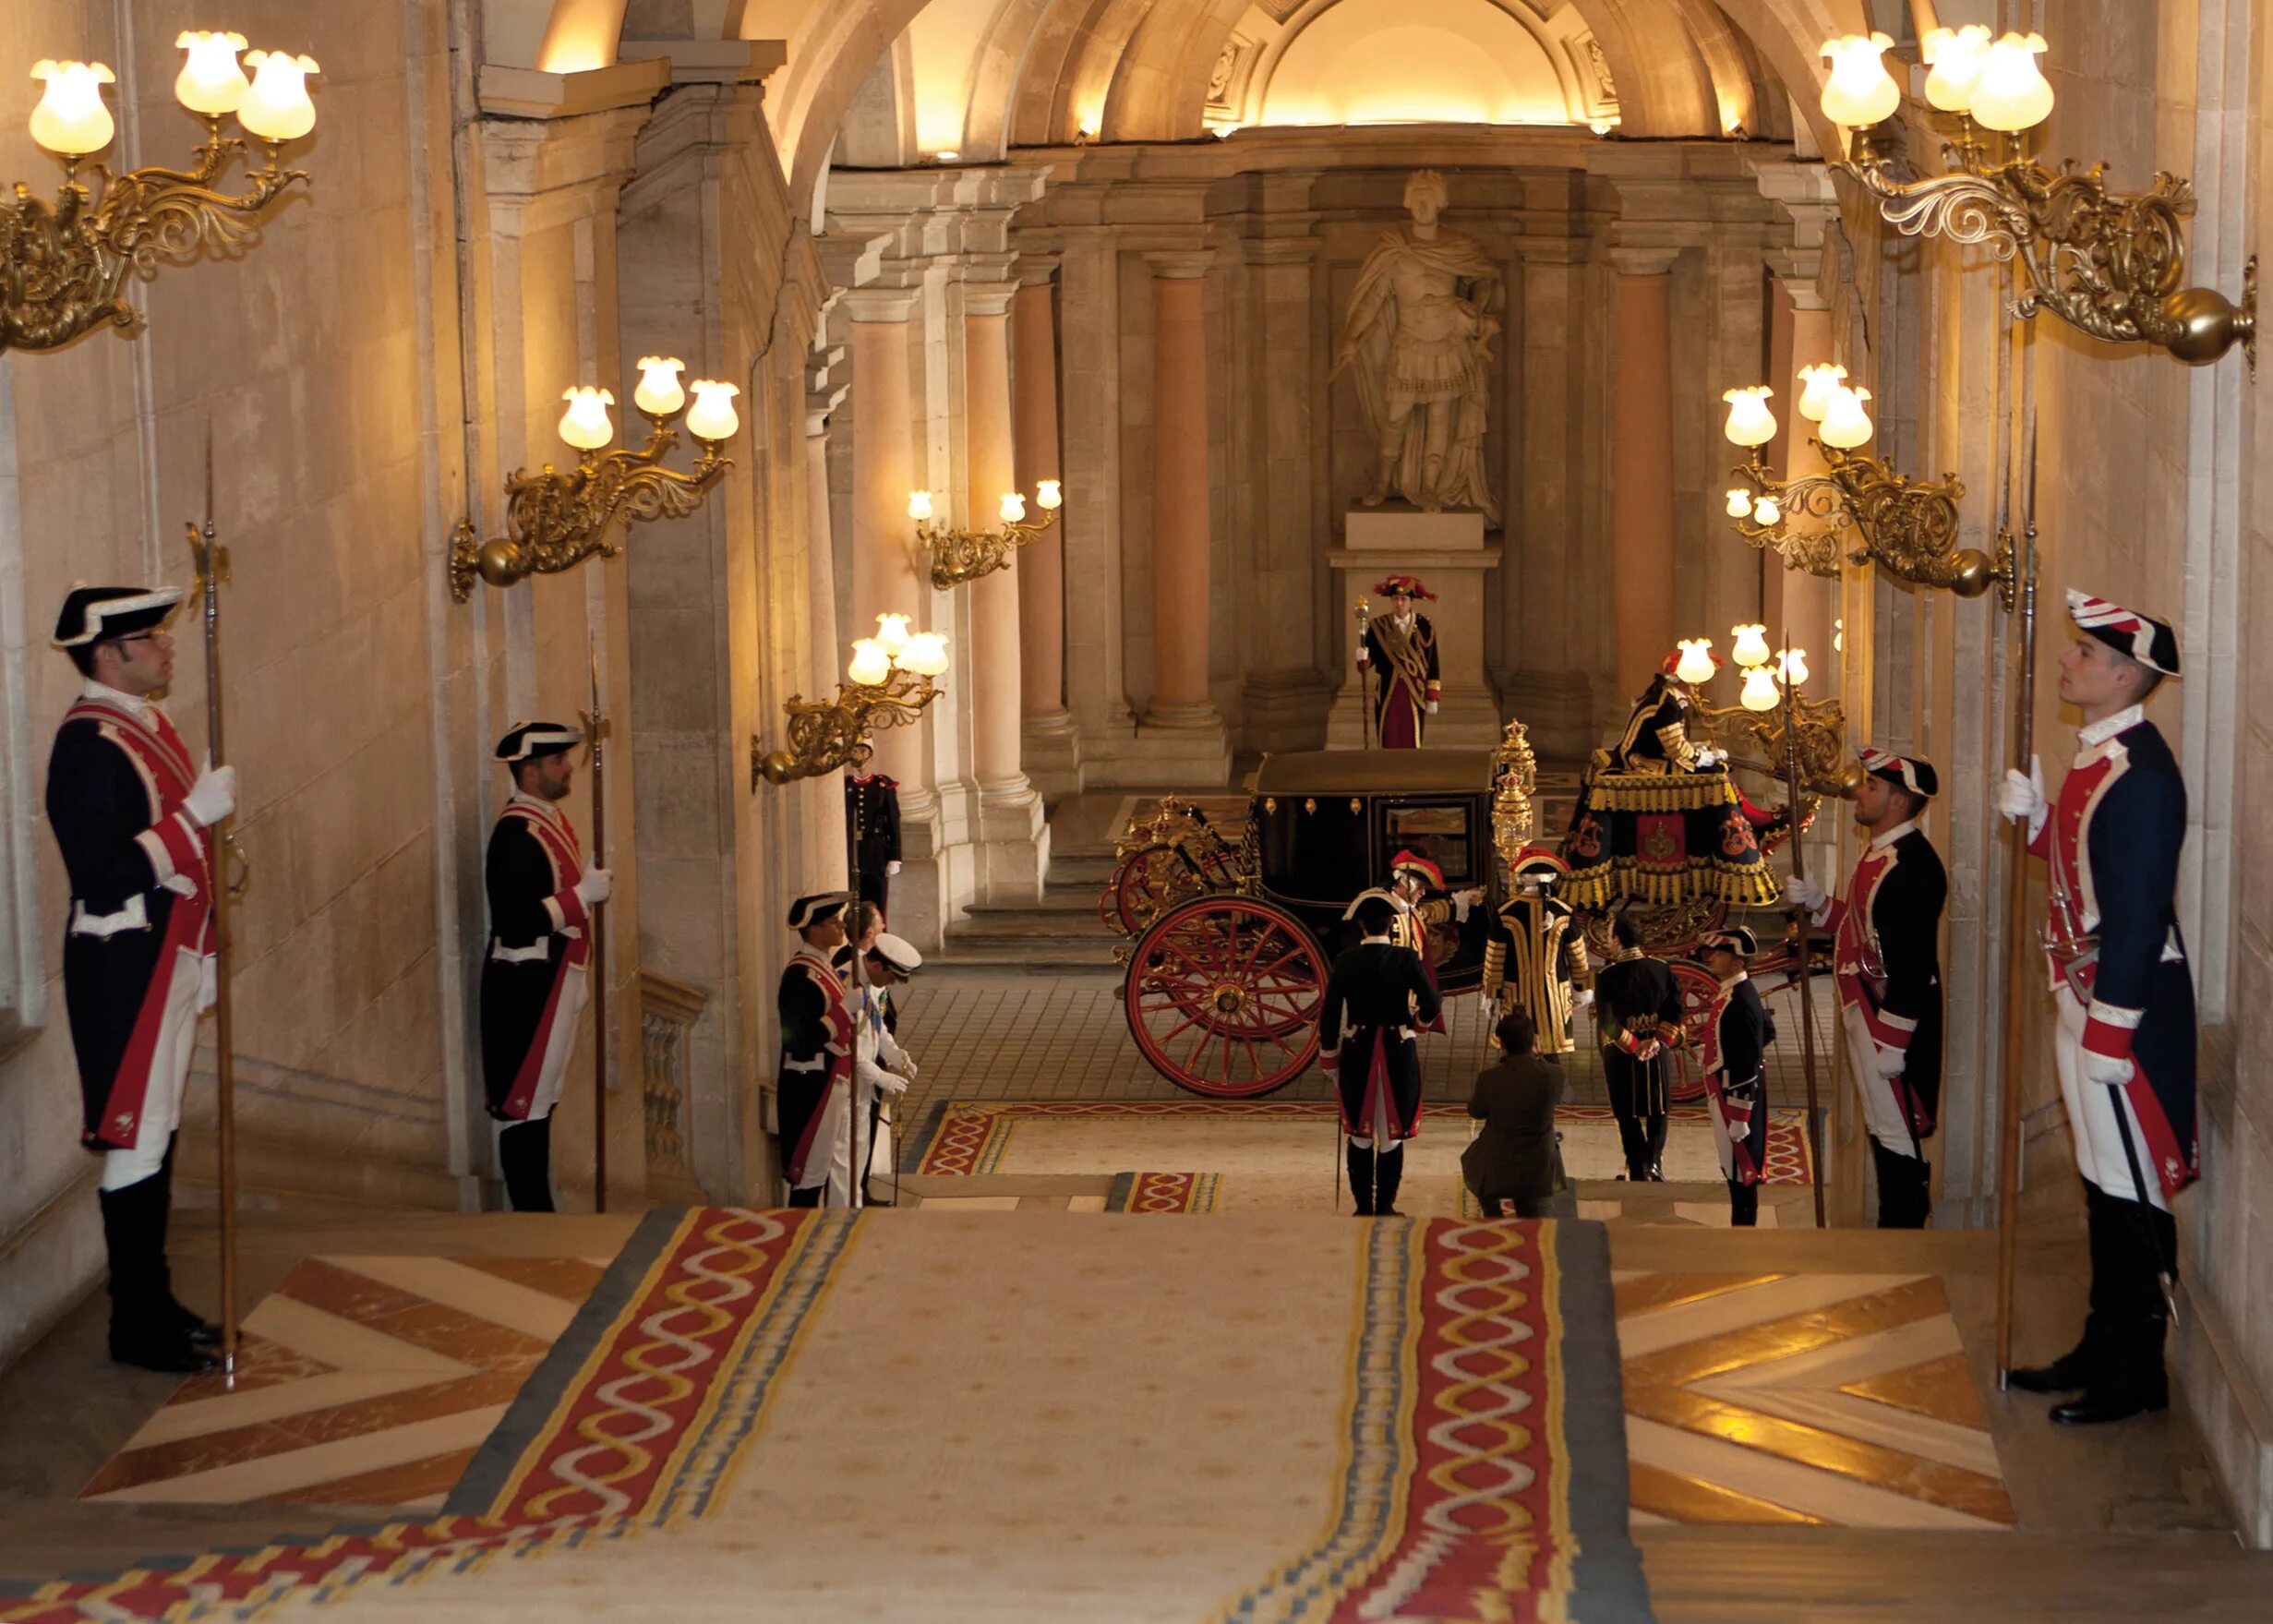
(979, 456)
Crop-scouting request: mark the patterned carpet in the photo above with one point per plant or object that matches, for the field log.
(893, 1417)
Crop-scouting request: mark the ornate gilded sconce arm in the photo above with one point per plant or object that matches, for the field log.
(1907, 527)
(1826, 768)
(959, 555)
(823, 732)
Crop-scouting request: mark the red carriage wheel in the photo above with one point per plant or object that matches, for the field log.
(1699, 988)
(1223, 996)
(1152, 881)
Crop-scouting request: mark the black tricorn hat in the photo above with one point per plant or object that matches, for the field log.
(523, 739)
(818, 909)
(1736, 939)
(1908, 772)
(2146, 640)
(93, 613)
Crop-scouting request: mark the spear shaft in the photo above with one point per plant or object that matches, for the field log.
(598, 729)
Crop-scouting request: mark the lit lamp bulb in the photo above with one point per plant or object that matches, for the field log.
(1751, 646)
(660, 393)
(276, 107)
(1739, 504)
(870, 666)
(584, 424)
(919, 506)
(926, 654)
(210, 83)
(1792, 664)
(1047, 493)
(71, 120)
(891, 634)
(1861, 92)
(1955, 56)
(1760, 692)
(1768, 511)
(713, 418)
(1838, 637)
(1013, 509)
(1847, 424)
(1749, 421)
(2012, 94)
(1819, 383)
(1696, 662)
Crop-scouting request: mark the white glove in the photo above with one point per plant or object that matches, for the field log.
(2106, 1070)
(1432, 707)
(212, 797)
(1365, 655)
(1807, 893)
(893, 867)
(1464, 900)
(1709, 757)
(209, 982)
(1584, 1000)
(595, 887)
(1889, 1062)
(2024, 797)
(891, 1083)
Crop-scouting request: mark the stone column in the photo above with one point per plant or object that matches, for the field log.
(1641, 468)
(1051, 748)
(1182, 714)
(1013, 842)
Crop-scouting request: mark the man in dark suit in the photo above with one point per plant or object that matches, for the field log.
(1886, 961)
(130, 811)
(1376, 994)
(1515, 1158)
(2125, 1001)
(1736, 1071)
(1638, 1017)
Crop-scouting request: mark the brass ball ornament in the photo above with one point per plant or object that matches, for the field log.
(776, 766)
(500, 561)
(2208, 324)
(1973, 573)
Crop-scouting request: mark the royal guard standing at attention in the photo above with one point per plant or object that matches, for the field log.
(1375, 995)
(873, 827)
(2124, 997)
(541, 899)
(1533, 960)
(1400, 650)
(1416, 885)
(129, 810)
(1735, 1061)
(815, 1085)
(1886, 960)
(1638, 1017)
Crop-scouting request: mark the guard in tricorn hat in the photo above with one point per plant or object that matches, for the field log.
(1398, 650)
(129, 808)
(1736, 1034)
(541, 899)
(2124, 998)
(1886, 961)
(1375, 995)
(813, 1086)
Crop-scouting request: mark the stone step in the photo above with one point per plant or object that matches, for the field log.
(1029, 958)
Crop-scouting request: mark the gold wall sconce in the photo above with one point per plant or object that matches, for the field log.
(554, 522)
(63, 266)
(1907, 527)
(887, 684)
(965, 555)
(2111, 264)
(1801, 741)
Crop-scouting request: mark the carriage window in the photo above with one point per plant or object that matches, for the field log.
(1437, 833)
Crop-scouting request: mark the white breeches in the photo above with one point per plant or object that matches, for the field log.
(1882, 1111)
(559, 1044)
(2092, 1121)
(169, 1075)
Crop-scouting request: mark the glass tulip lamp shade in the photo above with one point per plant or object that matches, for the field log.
(1751, 646)
(919, 506)
(1861, 92)
(1817, 385)
(1749, 421)
(1739, 504)
(1013, 508)
(71, 120)
(1768, 511)
(1955, 56)
(926, 654)
(210, 83)
(892, 634)
(1047, 493)
(870, 666)
(1760, 692)
(1847, 424)
(660, 393)
(1791, 663)
(276, 108)
(585, 424)
(2012, 94)
(713, 418)
(1696, 662)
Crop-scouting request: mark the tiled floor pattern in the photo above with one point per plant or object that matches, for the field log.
(362, 1381)
(1838, 1399)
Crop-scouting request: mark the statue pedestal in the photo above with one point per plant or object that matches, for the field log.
(1447, 551)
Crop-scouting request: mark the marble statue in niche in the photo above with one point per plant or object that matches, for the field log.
(1418, 339)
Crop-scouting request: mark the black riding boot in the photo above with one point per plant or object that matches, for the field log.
(1634, 1139)
(2129, 1378)
(809, 1197)
(2075, 1369)
(525, 1157)
(1392, 1173)
(144, 1330)
(1743, 1205)
(1657, 1147)
(1360, 1159)
(1905, 1188)
(199, 1330)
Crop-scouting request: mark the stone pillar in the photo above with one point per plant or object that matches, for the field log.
(1013, 841)
(1052, 747)
(1182, 714)
(1641, 468)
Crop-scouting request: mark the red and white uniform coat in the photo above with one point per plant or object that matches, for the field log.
(1733, 1054)
(814, 1086)
(2121, 983)
(140, 926)
(532, 978)
(1886, 961)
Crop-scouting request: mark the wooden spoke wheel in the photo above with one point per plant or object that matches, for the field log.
(1223, 996)
(1153, 880)
(1698, 988)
